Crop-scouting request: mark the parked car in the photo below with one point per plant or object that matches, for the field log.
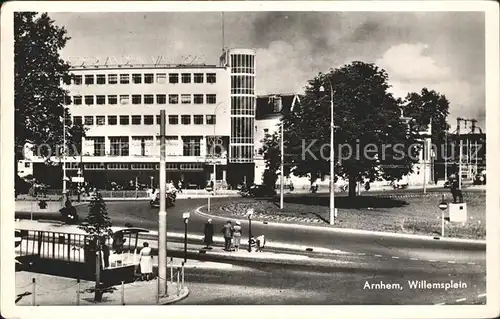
(261, 191)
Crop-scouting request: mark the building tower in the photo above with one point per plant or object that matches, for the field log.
(242, 95)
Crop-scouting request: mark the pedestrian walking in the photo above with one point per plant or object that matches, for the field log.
(227, 231)
(455, 189)
(146, 262)
(237, 235)
(209, 234)
(180, 186)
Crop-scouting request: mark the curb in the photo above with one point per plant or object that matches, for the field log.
(355, 231)
(184, 294)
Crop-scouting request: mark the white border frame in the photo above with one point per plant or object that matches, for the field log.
(491, 10)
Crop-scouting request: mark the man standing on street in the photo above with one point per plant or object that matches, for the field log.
(227, 231)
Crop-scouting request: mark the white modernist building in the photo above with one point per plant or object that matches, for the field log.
(210, 118)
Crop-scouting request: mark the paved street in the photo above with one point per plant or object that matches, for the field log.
(368, 257)
(288, 284)
(139, 214)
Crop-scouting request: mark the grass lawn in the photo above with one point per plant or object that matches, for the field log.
(417, 215)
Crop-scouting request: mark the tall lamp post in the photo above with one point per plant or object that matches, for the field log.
(162, 214)
(281, 168)
(213, 147)
(332, 163)
(64, 155)
(185, 216)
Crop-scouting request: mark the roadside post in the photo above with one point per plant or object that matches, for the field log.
(209, 190)
(443, 206)
(186, 221)
(250, 212)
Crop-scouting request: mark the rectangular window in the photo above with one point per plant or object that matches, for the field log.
(158, 119)
(211, 119)
(161, 78)
(191, 146)
(124, 78)
(77, 80)
(173, 77)
(198, 78)
(112, 119)
(124, 99)
(198, 119)
(149, 99)
(100, 120)
(100, 99)
(77, 120)
(186, 98)
(77, 100)
(137, 78)
(211, 99)
(198, 99)
(112, 99)
(101, 79)
(89, 120)
(148, 120)
(211, 78)
(99, 146)
(136, 119)
(124, 119)
(112, 78)
(186, 77)
(148, 78)
(185, 119)
(89, 99)
(89, 79)
(161, 99)
(173, 99)
(173, 119)
(119, 146)
(136, 99)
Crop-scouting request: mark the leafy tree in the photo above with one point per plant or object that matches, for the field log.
(97, 225)
(427, 107)
(38, 95)
(376, 142)
(272, 156)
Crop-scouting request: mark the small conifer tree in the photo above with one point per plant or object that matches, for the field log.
(97, 225)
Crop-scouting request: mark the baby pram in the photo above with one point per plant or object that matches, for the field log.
(257, 244)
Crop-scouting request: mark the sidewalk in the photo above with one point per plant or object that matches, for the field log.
(54, 291)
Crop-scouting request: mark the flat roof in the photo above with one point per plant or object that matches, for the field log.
(142, 66)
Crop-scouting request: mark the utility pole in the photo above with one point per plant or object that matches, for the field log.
(162, 214)
(282, 188)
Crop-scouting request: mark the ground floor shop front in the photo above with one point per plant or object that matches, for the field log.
(109, 176)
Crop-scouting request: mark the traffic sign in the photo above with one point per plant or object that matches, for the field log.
(443, 205)
(186, 215)
(77, 179)
(209, 189)
(250, 212)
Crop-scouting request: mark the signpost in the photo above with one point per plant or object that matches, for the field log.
(186, 221)
(209, 190)
(443, 206)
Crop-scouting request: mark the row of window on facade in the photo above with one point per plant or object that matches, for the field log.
(142, 146)
(185, 119)
(136, 166)
(141, 99)
(242, 84)
(139, 78)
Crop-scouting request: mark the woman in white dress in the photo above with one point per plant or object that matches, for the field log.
(146, 262)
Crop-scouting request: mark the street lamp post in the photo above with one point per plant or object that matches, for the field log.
(185, 216)
(282, 173)
(332, 163)
(64, 155)
(162, 214)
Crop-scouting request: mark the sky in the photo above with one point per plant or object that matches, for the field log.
(443, 51)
